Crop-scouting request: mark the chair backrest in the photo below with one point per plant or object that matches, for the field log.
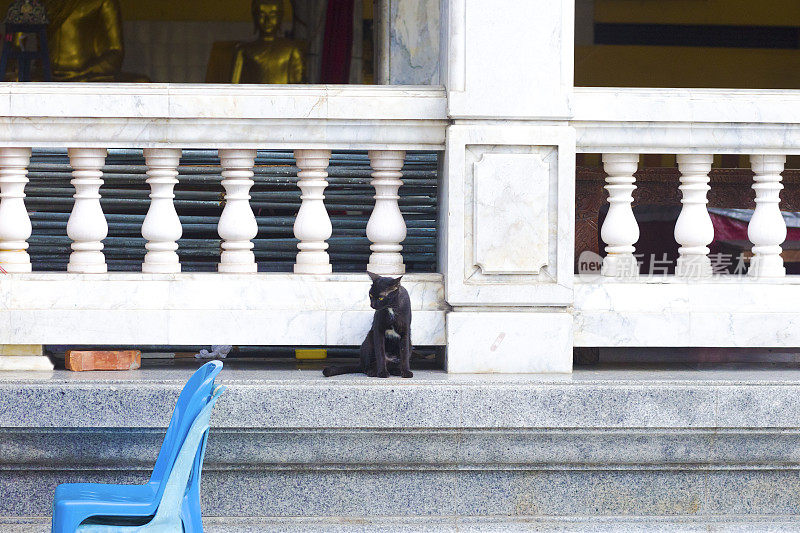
(193, 398)
(169, 505)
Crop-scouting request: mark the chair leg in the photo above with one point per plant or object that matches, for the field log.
(190, 512)
(66, 524)
(190, 509)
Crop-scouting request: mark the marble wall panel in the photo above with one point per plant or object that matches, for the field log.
(414, 42)
(511, 234)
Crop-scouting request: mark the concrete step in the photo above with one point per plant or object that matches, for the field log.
(416, 524)
(438, 452)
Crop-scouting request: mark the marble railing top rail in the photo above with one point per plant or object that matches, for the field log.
(609, 120)
(222, 116)
(678, 121)
(165, 100)
(686, 105)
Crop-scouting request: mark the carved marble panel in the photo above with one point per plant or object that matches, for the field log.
(510, 204)
(508, 195)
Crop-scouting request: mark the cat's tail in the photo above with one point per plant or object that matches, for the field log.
(329, 371)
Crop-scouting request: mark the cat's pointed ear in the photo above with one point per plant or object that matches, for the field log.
(373, 277)
(397, 281)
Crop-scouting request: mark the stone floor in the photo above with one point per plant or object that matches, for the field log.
(464, 525)
(250, 371)
(612, 448)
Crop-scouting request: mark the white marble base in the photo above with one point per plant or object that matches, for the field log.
(673, 312)
(509, 342)
(206, 308)
(619, 266)
(12, 363)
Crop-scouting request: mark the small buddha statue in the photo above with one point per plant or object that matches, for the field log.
(270, 58)
(86, 41)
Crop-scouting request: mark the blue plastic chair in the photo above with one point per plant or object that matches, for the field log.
(74, 503)
(168, 516)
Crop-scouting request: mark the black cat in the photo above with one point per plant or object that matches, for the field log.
(387, 348)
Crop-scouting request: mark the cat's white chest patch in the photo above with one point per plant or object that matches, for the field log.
(392, 334)
(391, 313)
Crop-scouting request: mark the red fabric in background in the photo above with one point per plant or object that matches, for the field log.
(338, 45)
(731, 229)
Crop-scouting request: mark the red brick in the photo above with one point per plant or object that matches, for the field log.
(79, 361)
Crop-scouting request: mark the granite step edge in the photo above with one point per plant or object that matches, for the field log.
(722, 523)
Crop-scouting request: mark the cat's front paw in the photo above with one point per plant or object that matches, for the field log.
(384, 374)
(407, 374)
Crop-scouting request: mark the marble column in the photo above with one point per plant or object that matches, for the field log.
(15, 224)
(508, 174)
(312, 227)
(162, 227)
(694, 230)
(386, 228)
(620, 231)
(407, 42)
(767, 228)
(237, 225)
(87, 226)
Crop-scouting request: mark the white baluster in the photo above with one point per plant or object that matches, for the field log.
(15, 224)
(386, 228)
(694, 230)
(87, 225)
(767, 228)
(620, 230)
(162, 227)
(237, 224)
(312, 225)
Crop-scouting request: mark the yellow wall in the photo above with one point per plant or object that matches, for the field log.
(679, 66)
(723, 12)
(675, 66)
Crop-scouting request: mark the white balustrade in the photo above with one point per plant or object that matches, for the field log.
(694, 230)
(386, 228)
(87, 225)
(312, 225)
(162, 227)
(15, 224)
(767, 228)
(237, 224)
(620, 230)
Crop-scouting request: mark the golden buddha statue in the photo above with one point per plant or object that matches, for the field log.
(270, 58)
(86, 41)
